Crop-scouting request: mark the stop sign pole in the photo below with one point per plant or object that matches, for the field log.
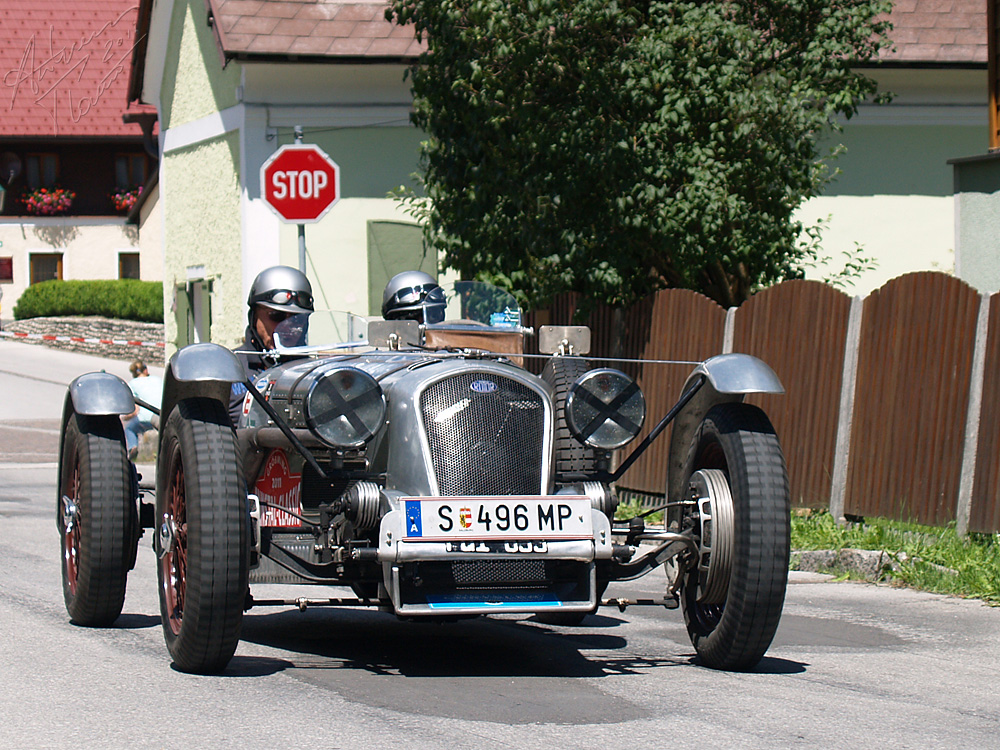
(301, 227)
(300, 183)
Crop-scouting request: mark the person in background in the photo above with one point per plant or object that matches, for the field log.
(148, 388)
(277, 293)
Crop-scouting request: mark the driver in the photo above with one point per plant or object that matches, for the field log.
(413, 295)
(277, 293)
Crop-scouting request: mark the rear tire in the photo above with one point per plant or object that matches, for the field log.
(732, 600)
(96, 519)
(203, 538)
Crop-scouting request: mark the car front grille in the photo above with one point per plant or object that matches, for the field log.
(484, 433)
(487, 583)
(484, 573)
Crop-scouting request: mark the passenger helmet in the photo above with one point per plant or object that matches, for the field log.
(413, 295)
(281, 288)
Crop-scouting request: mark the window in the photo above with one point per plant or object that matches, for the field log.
(45, 266)
(130, 171)
(128, 265)
(6, 270)
(41, 170)
(193, 303)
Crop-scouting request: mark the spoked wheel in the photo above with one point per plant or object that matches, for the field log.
(732, 598)
(202, 537)
(96, 519)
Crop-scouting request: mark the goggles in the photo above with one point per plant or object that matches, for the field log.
(284, 297)
(412, 295)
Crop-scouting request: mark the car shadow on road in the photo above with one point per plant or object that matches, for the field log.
(488, 669)
(136, 622)
(482, 647)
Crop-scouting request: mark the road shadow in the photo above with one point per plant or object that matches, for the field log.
(768, 665)
(136, 621)
(488, 669)
(380, 643)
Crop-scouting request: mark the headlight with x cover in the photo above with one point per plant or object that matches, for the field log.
(605, 409)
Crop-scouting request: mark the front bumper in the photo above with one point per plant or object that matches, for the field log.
(483, 577)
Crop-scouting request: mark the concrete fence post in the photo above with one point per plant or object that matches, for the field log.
(842, 446)
(968, 475)
(729, 331)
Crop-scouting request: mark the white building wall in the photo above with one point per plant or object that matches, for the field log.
(89, 247)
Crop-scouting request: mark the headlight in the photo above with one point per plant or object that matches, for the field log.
(605, 409)
(345, 407)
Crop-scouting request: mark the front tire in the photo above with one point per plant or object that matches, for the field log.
(732, 599)
(96, 519)
(570, 455)
(202, 537)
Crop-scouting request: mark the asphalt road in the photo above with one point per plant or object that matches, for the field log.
(852, 666)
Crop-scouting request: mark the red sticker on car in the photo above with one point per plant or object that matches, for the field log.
(279, 491)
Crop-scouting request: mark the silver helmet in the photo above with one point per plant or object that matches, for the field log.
(413, 295)
(281, 288)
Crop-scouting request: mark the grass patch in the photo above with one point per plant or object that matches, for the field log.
(929, 558)
(633, 505)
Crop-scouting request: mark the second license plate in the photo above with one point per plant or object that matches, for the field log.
(544, 517)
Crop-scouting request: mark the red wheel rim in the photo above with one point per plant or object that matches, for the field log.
(71, 532)
(174, 562)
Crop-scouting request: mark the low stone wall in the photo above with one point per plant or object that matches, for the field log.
(93, 327)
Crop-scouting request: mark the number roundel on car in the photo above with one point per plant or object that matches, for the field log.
(484, 386)
(345, 407)
(605, 409)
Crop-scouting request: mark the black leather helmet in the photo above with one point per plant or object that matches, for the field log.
(281, 288)
(413, 295)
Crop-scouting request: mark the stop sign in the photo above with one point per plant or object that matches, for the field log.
(300, 183)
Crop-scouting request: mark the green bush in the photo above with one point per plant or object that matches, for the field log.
(125, 299)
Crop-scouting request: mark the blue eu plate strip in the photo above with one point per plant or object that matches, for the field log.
(492, 605)
(414, 523)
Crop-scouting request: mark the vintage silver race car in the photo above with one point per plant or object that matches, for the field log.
(425, 469)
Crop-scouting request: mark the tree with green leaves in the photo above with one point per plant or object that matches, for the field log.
(617, 148)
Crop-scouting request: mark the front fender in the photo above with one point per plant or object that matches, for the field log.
(94, 394)
(200, 371)
(728, 378)
(100, 393)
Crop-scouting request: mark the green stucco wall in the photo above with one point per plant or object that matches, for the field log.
(194, 83)
(910, 160)
(202, 200)
(372, 160)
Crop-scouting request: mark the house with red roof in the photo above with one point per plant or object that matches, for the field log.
(234, 80)
(73, 155)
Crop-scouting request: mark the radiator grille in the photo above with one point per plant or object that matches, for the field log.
(483, 573)
(485, 435)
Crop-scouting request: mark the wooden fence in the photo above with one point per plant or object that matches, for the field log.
(892, 404)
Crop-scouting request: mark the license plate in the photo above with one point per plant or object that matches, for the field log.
(545, 517)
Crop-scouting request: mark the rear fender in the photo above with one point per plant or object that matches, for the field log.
(728, 378)
(200, 371)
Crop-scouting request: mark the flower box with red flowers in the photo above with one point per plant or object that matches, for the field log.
(124, 199)
(48, 201)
